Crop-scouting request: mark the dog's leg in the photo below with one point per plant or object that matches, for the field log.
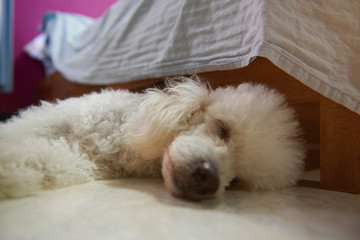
(39, 164)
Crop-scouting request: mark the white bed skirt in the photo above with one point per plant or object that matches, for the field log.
(317, 41)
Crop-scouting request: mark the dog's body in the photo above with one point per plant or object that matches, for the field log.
(198, 139)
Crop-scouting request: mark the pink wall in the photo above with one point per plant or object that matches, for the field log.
(27, 21)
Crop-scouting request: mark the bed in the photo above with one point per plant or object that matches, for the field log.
(308, 51)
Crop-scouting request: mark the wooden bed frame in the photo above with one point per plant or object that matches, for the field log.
(331, 131)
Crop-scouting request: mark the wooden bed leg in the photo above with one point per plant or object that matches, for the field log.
(339, 147)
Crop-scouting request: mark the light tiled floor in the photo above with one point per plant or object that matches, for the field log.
(142, 209)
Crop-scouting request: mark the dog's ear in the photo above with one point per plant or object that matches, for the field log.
(164, 113)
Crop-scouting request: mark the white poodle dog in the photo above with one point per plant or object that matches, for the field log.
(198, 139)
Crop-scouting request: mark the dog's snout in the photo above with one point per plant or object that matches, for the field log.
(197, 181)
(204, 180)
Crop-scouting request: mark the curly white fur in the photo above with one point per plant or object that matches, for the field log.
(246, 132)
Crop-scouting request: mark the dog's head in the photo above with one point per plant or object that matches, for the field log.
(208, 138)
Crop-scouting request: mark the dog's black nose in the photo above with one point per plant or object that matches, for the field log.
(204, 180)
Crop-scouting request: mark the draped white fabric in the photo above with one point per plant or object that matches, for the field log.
(316, 41)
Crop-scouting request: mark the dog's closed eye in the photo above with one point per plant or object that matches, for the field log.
(222, 130)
